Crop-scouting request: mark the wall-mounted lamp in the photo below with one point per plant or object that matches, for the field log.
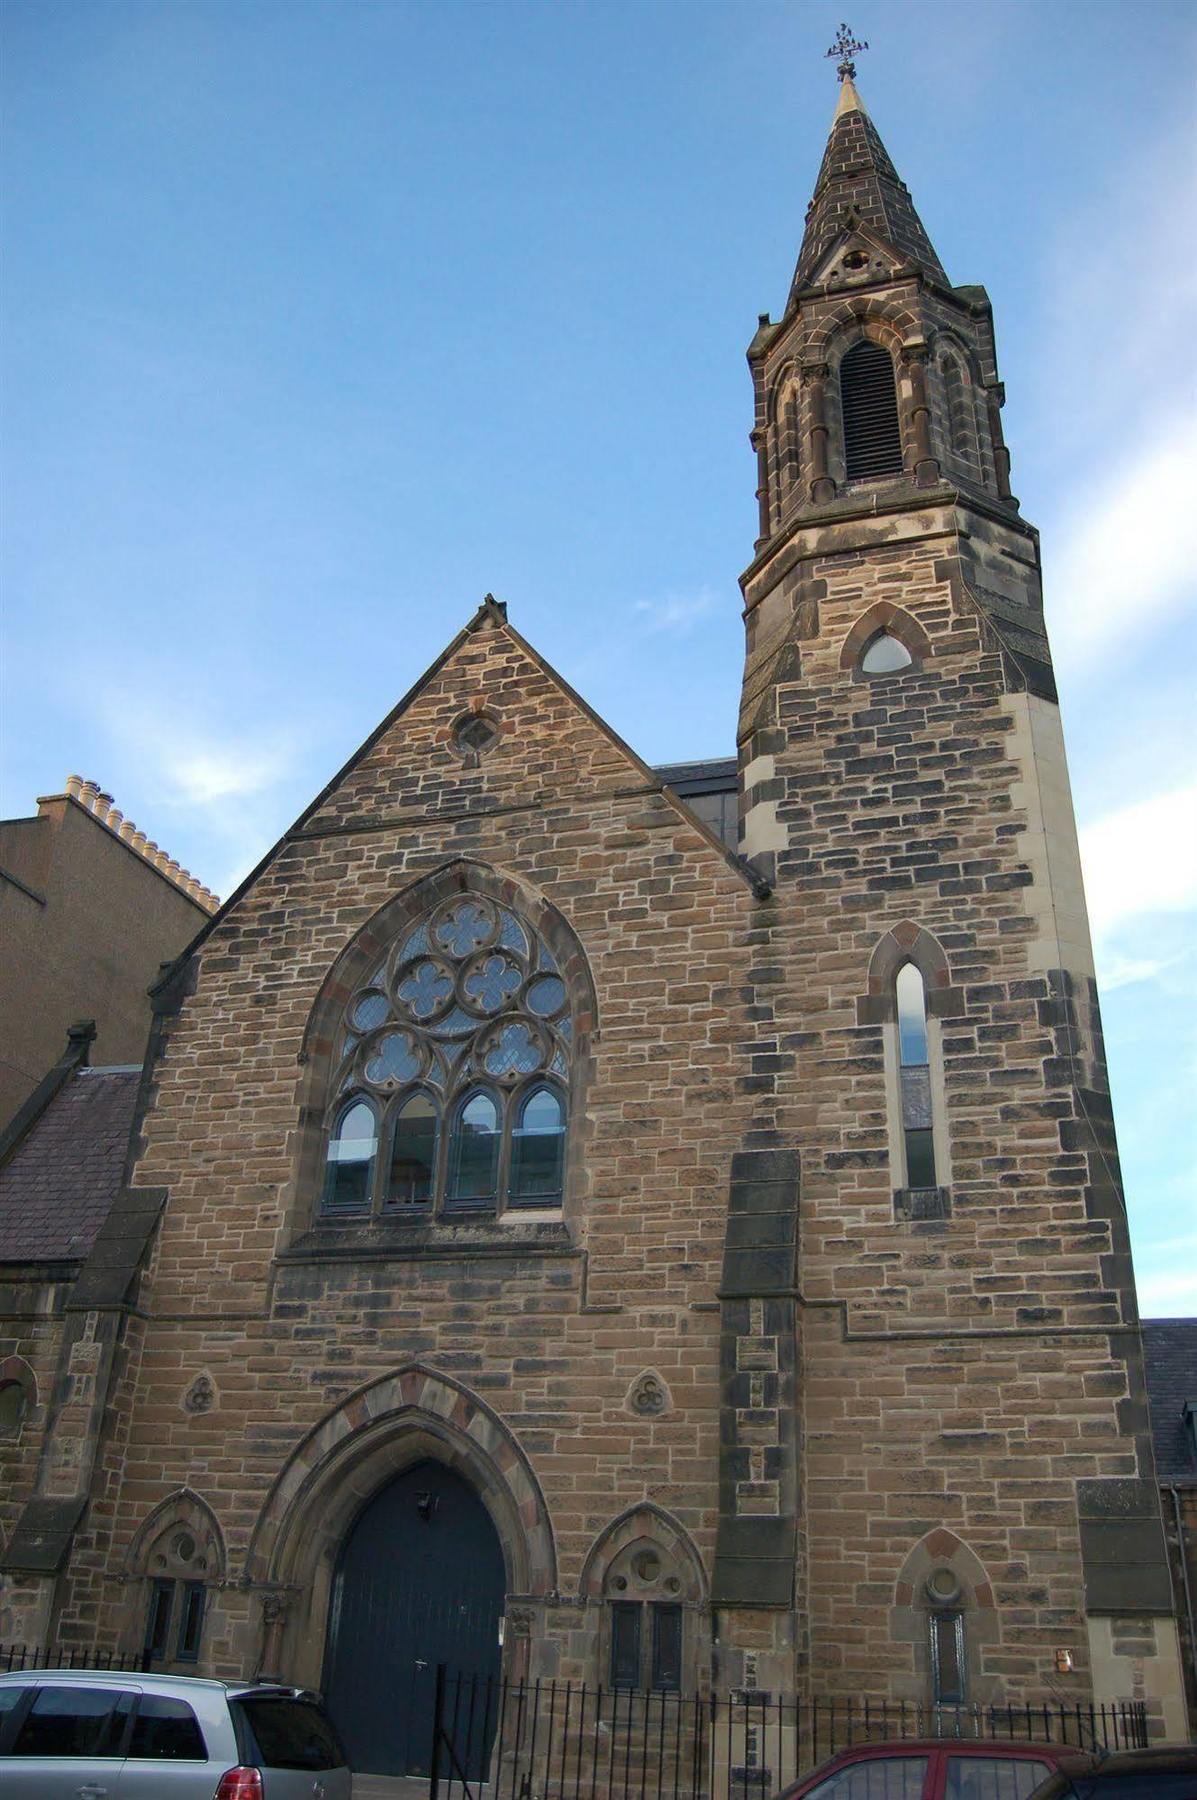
(1063, 1662)
(426, 1504)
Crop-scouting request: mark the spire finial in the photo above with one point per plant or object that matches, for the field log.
(846, 47)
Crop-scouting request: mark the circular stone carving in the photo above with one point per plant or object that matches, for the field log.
(201, 1395)
(943, 1586)
(648, 1395)
(647, 1565)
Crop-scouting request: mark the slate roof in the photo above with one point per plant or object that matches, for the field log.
(858, 178)
(1170, 1353)
(58, 1186)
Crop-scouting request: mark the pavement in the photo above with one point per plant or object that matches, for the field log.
(390, 1787)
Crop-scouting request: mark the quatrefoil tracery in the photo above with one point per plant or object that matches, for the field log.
(470, 992)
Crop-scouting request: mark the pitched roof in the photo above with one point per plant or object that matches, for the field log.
(57, 1187)
(1170, 1353)
(857, 178)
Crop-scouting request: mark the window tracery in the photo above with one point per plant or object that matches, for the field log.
(453, 1063)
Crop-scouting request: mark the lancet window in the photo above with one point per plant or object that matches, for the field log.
(914, 1064)
(452, 1078)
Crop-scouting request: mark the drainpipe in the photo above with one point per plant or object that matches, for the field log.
(1184, 1575)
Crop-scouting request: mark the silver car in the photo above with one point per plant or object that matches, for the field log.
(80, 1735)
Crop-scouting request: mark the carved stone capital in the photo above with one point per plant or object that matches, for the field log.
(811, 372)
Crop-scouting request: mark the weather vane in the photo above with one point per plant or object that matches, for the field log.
(846, 47)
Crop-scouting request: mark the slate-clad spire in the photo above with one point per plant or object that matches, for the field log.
(858, 177)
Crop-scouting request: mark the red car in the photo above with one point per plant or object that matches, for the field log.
(931, 1769)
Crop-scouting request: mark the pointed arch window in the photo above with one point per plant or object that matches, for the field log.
(885, 654)
(869, 403)
(352, 1147)
(918, 1137)
(413, 1151)
(452, 1078)
(538, 1149)
(474, 1176)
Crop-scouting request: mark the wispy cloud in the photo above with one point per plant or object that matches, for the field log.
(220, 792)
(676, 612)
(199, 773)
(1116, 576)
(1133, 239)
(1141, 860)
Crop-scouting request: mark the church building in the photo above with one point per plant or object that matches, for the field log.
(659, 1228)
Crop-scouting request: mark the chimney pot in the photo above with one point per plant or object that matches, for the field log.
(128, 831)
(73, 785)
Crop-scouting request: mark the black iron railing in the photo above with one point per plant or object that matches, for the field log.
(557, 1740)
(554, 1740)
(14, 1657)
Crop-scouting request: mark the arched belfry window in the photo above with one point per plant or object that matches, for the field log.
(452, 1071)
(869, 402)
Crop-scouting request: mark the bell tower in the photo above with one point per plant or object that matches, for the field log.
(973, 1499)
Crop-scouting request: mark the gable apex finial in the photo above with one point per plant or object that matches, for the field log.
(846, 47)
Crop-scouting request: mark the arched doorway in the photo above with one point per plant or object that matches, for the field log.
(420, 1581)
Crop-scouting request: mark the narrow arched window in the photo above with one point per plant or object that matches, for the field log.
(538, 1150)
(474, 1154)
(869, 402)
(13, 1404)
(915, 1078)
(947, 1657)
(349, 1180)
(413, 1152)
(885, 654)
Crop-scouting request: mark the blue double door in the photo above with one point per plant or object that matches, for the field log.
(420, 1581)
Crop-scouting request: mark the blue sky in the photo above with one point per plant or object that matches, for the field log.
(320, 320)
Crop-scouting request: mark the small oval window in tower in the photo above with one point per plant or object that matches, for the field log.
(885, 655)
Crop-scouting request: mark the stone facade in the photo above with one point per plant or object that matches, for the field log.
(746, 1356)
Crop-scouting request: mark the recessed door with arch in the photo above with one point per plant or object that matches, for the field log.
(420, 1581)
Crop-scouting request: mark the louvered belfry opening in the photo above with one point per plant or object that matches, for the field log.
(872, 439)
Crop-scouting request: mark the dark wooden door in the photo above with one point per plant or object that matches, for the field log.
(420, 1581)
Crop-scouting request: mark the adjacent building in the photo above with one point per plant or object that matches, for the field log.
(89, 912)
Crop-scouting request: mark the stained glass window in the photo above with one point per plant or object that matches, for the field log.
(457, 1051)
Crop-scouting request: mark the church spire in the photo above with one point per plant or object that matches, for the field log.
(858, 180)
